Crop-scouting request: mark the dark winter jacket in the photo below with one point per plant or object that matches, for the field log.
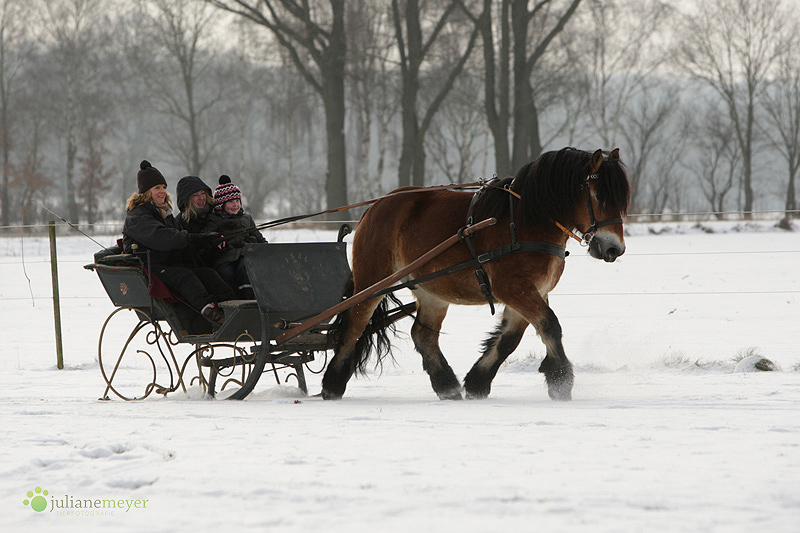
(242, 230)
(167, 242)
(187, 186)
(196, 223)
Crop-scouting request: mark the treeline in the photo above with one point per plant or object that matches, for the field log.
(328, 102)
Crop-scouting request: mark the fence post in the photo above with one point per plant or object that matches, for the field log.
(56, 300)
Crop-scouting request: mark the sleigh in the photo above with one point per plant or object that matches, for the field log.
(144, 342)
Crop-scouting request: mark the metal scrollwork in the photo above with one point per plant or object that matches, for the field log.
(155, 339)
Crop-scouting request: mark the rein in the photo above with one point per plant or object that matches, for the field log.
(286, 220)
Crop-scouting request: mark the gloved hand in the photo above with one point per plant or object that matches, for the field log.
(207, 240)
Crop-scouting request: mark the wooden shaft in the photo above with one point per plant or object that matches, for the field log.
(369, 292)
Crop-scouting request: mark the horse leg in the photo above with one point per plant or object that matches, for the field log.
(496, 349)
(425, 333)
(556, 367)
(349, 351)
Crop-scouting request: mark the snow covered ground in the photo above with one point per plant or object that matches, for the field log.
(668, 430)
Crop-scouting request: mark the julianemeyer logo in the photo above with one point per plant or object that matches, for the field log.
(36, 499)
(72, 506)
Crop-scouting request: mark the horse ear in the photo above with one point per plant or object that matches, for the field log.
(597, 160)
(614, 155)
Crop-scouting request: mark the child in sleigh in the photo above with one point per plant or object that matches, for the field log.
(229, 219)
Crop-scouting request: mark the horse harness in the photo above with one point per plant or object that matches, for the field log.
(526, 246)
(586, 238)
(478, 260)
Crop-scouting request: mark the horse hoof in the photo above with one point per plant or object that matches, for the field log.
(451, 395)
(477, 395)
(560, 394)
(327, 395)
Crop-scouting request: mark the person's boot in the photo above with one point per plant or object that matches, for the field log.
(214, 314)
(246, 292)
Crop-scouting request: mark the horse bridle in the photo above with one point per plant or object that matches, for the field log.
(585, 238)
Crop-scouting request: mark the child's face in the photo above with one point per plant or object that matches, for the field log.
(232, 206)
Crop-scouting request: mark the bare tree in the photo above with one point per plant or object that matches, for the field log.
(512, 61)
(718, 159)
(314, 35)
(12, 57)
(781, 101)
(620, 58)
(134, 130)
(415, 49)
(646, 127)
(731, 45)
(95, 178)
(458, 130)
(372, 96)
(547, 23)
(33, 133)
(179, 74)
(74, 31)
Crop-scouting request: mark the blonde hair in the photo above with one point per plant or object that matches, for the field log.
(189, 211)
(136, 199)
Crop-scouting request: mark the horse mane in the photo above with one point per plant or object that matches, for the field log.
(550, 186)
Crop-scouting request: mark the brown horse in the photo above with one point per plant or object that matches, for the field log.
(571, 188)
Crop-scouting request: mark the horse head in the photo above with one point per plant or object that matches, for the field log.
(606, 195)
(574, 188)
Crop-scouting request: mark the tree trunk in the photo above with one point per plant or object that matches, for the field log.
(333, 69)
(523, 92)
(791, 197)
(6, 204)
(410, 129)
(747, 158)
(408, 155)
(496, 91)
(72, 205)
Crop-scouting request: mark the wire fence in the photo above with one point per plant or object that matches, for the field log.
(115, 228)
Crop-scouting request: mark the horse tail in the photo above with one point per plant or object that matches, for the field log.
(375, 338)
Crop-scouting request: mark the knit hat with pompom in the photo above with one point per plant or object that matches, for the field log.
(226, 191)
(148, 177)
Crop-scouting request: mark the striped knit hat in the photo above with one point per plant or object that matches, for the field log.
(225, 191)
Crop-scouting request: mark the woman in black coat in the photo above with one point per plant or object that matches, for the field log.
(149, 225)
(195, 203)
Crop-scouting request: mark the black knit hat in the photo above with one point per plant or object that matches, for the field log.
(225, 191)
(148, 177)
